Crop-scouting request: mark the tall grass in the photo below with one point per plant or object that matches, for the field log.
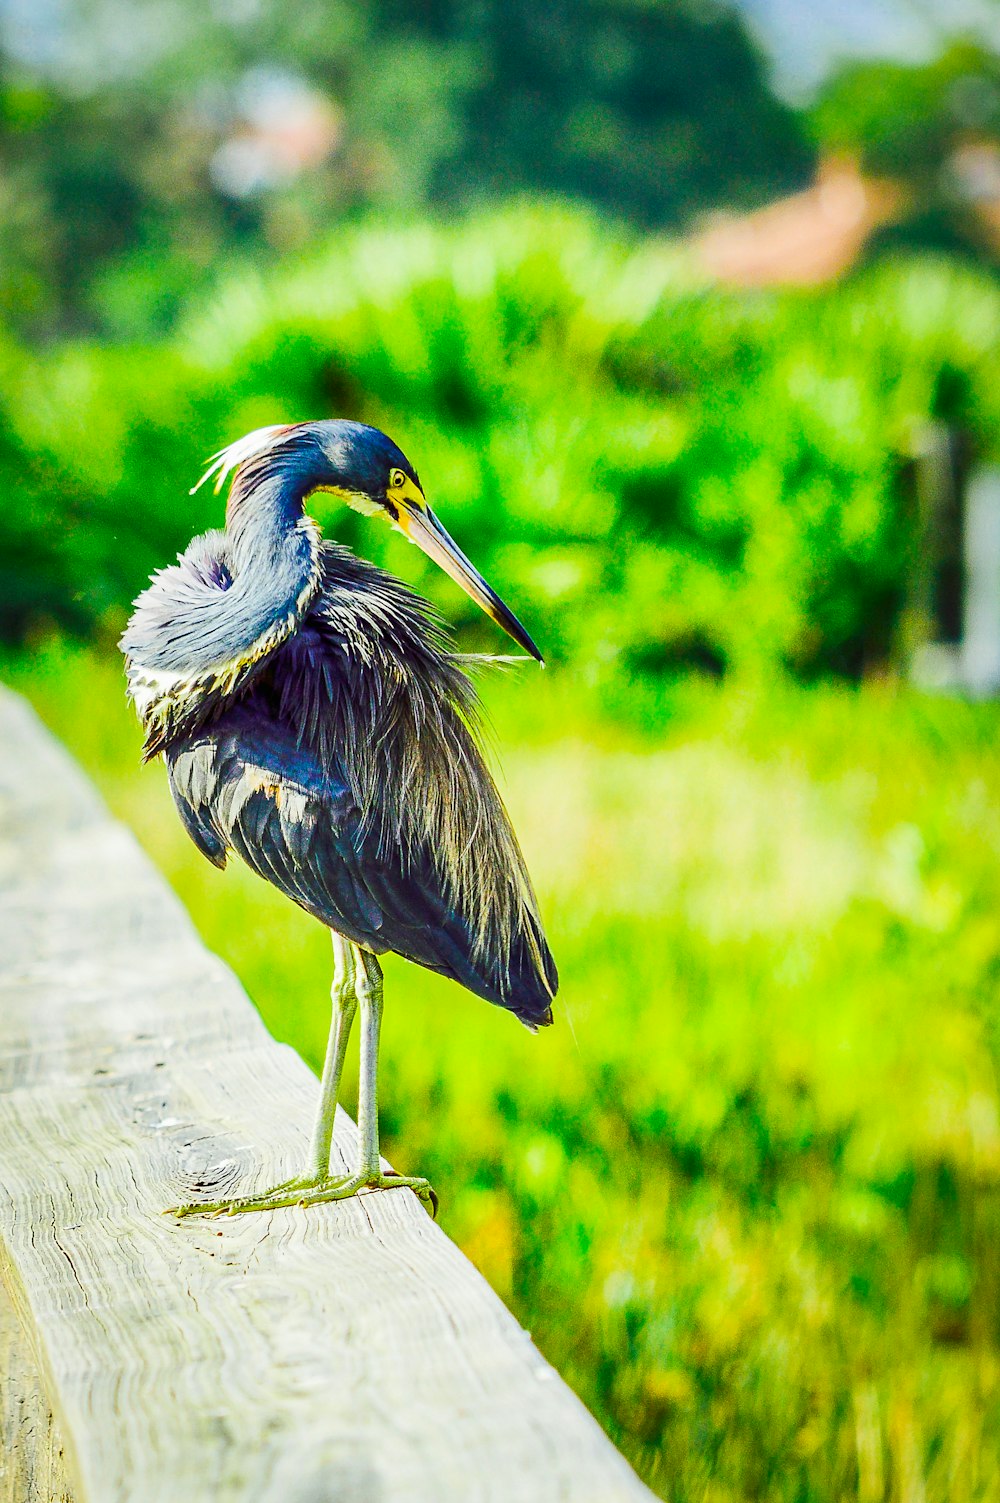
(746, 1194)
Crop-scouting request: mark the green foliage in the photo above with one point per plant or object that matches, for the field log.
(904, 118)
(667, 474)
(934, 127)
(746, 1193)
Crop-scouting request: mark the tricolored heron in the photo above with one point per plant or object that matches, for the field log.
(315, 721)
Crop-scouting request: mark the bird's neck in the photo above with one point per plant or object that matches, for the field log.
(206, 624)
(265, 510)
(273, 559)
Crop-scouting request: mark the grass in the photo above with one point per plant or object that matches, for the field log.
(746, 1195)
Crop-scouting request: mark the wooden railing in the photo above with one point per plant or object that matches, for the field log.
(348, 1352)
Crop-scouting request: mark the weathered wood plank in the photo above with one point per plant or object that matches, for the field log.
(32, 1466)
(347, 1352)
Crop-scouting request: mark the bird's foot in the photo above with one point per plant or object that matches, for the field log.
(307, 1191)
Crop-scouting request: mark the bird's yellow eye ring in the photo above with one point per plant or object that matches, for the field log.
(396, 479)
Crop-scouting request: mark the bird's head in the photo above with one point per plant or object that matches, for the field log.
(365, 469)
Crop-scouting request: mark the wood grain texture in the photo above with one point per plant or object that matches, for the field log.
(32, 1463)
(341, 1354)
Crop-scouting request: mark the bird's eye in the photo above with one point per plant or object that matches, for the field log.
(396, 479)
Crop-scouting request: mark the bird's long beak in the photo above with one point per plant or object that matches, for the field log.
(422, 527)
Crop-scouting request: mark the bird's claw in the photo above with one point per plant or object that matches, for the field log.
(422, 1189)
(309, 1192)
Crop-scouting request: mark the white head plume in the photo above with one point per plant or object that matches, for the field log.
(223, 463)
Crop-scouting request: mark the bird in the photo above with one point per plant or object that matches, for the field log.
(317, 722)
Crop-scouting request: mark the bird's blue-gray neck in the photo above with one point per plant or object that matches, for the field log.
(267, 499)
(233, 597)
(270, 556)
(272, 546)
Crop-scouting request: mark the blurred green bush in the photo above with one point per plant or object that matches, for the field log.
(669, 474)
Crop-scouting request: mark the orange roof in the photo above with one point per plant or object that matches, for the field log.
(807, 238)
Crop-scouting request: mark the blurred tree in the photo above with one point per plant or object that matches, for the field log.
(144, 145)
(648, 108)
(935, 127)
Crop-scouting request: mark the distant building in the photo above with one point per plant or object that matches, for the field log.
(808, 238)
(817, 235)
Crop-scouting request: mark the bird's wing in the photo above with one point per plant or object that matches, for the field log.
(244, 785)
(192, 782)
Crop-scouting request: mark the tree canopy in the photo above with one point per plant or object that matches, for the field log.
(128, 134)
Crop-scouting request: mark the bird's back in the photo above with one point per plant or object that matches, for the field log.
(344, 770)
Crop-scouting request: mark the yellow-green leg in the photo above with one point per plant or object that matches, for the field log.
(344, 997)
(357, 981)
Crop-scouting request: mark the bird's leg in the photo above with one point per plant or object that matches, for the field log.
(357, 979)
(344, 1006)
(369, 1174)
(369, 989)
(344, 997)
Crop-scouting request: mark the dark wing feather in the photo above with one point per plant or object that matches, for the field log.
(246, 784)
(192, 769)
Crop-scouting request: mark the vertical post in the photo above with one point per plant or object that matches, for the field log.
(928, 649)
(980, 652)
(935, 484)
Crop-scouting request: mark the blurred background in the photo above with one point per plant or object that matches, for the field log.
(688, 313)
